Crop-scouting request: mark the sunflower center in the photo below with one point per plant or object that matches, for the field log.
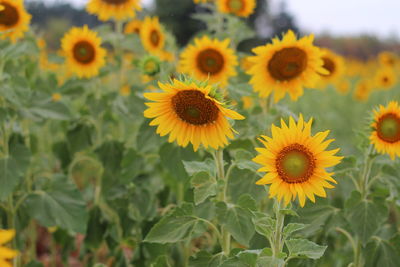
(287, 63)
(193, 107)
(295, 164)
(154, 37)
(329, 65)
(8, 15)
(388, 128)
(115, 2)
(210, 61)
(385, 79)
(84, 52)
(235, 5)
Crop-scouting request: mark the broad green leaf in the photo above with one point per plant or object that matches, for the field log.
(269, 261)
(131, 165)
(161, 261)
(59, 203)
(237, 220)
(264, 224)
(347, 164)
(80, 137)
(290, 228)
(243, 160)
(52, 110)
(247, 201)
(380, 252)
(206, 259)
(304, 247)
(96, 229)
(204, 186)
(110, 154)
(193, 167)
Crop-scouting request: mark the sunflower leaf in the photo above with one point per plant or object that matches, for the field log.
(304, 248)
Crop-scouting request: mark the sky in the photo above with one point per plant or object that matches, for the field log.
(341, 17)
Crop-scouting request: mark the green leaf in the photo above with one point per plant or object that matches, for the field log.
(131, 165)
(237, 220)
(59, 203)
(247, 201)
(364, 216)
(161, 261)
(243, 160)
(380, 252)
(52, 110)
(110, 154)
(204, 186)
(177, 226)
(96, 229)
(290, 228)
(269, 261)
(304, 247)
(193, 167)
(204, 258)
(264, 224)
(80, 137)
(348, 163)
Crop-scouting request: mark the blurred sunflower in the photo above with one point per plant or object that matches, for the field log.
(362, 90)
(202, 1)
(133, 26)
(6, 254)
(84, 55)
(385, 78)
(387, 58)
(386, 129)
(241, 8)
(14, 20)
(343, 86)
(152, 35)
(334, 64)
(209, 59)
(190, 113)
(286, 66)
(295, 162)
(117, 9)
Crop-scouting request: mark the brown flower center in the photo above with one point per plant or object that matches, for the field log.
(155, 37)
(388, 128)
(210, 61)
(329, 65)
(287, 64)
(9, 16)
(115, 2)
(295, 164)
(84, 52)
(193, 107)
(235, 6)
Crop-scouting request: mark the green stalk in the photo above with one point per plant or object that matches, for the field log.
(368, 160)
(277, 239)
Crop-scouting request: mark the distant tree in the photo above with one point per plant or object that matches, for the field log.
(283, 21)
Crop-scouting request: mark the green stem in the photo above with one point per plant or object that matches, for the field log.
(277, 238)
(368, 160)
(357, 256)
(352, 242)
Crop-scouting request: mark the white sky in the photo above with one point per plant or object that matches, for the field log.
(343, 17)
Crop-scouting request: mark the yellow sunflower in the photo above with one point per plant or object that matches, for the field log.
(83, 52)
(14, 20)
(202, 1)
(152, 35)
(387, 58)
(334, 64)
(386, 129)
(117, 9)
(210, 59)
(385, 78)
(241, 8)
(362, 90)
(295, 162)
(6, 254)
(343, 86)
(133, 26)
(286, 66)
(189, 113)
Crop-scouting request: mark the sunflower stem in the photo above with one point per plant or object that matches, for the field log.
(368, 160)
(277, 239)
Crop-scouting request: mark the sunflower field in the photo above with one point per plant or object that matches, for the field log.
(126, 149)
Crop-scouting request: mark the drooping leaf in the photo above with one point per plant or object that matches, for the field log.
(204, 186)
(304, 247)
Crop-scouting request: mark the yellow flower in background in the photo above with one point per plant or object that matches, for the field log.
(387, 59)
(245, 63)
(362, 90)
(295, 162)
(241, 8)
(6, 254)
(334, 64)
(343, 86)
(210, 59)
(56, 97)
(247, 102)
(386, 129)
(202, 1)
(286, 66)
(14, 20)
(133, 26)
(189, 113)
(385, 78)
(152, 35)
(116, 9)
(1, 7)
(125, 90)
(83, 52)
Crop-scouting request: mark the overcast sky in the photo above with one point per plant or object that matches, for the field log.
(343, 17)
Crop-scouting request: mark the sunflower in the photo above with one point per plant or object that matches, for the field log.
(56, 97)
(387, 59)
(295, 162)
(386, 129)
(81, 47)
(362, 90)
(125, 90)
(210, 59)
(202, 1)
(286, 66)
(343, 86)
(117, 9)
(189, 112)
(6, 254)
(14, 20)
(385, 78)
(241, 8)
(334, 64)
(133, 26)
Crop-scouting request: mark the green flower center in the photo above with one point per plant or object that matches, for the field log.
(388, 128)
(287, 63)
(151, 67)
(154, 37)
(210, 61)
(235, 5)
(84, 52)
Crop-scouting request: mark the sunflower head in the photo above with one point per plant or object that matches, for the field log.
(116, 9)
(6, 253)
(343, 86)
(296, 161)
(385, 78)
(14, 20)
(286, 66)
(210, 59)
(125, 90)
(188, 112)
(388, 59)
(133, 27)
(362, 90)
(386, 129)
(334, 64)
(56, 97)
(241, 8)
(150, 65)
(85, 56)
